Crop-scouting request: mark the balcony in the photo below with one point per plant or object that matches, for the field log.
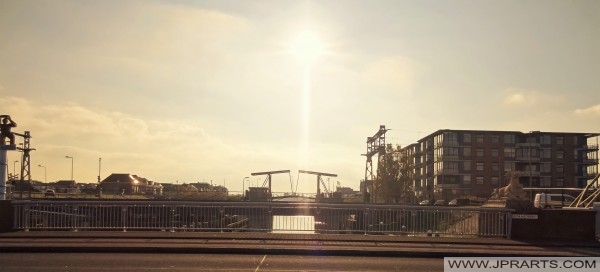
(528, 158)
(447, 172)
(589, 147)
(447, 158)
(525, 173)
(536, 145)
(589, 161)
(586, 175)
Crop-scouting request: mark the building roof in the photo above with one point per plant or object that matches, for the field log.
(125, 178)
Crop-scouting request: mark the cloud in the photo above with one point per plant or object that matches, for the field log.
(590, 111)
(515, 97)
(398, 73)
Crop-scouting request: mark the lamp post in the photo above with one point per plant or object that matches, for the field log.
(99, 168)
(244, 186)
(45, 177)
(15, 169)
(71, 157)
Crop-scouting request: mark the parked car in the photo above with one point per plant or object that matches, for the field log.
(49, 192)
(459, 202)
(551, 201)
(426, 202)
(440, 202)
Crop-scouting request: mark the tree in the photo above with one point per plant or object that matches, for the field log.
(394, 176)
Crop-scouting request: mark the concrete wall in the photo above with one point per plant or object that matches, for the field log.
(597, 209)
(558, 224)
(6, 216)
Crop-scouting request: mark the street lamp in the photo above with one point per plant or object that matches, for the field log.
(244, 186)
(70, 157)
(15, 168)
(99, 168)
(45, 177)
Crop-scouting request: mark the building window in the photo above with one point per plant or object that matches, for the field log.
(467, 137)
(546, 182)
(479, 152)
(495, 167)
(509, 139)
(509, 166)
(545, 140)
(479, 138)
(479, 166)
(509, 152)
(560, 168)
(545, 153)
(546, 167)
(495, 152)
(495, 139)
(467, 151)
(559, 140)
(495, 181)
(560, 182)
(467, 165)
(560, 154)
(467, 180)
(479, 180)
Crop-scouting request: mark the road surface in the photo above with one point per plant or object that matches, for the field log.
(98, 262)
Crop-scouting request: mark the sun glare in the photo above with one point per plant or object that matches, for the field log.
(307, 47)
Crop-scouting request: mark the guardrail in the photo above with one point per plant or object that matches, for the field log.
(261, 217)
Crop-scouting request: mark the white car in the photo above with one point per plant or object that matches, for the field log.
(550, 201)
(49, 192)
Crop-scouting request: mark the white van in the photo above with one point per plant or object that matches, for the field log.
(550, 201)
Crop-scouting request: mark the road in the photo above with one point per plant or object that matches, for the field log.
(208, 262)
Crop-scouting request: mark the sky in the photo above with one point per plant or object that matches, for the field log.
(212, 91)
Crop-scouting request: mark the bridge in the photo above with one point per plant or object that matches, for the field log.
(261, 217)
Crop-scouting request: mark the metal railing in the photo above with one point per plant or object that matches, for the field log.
(261, 217)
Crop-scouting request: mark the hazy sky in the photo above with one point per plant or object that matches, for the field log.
(194, 91)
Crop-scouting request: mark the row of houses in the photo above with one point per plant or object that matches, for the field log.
(135, 185)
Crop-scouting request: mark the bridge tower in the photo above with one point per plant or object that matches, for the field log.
(375, 146)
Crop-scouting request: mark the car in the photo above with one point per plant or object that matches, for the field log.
(49, 192)
(459, 202)
(440, 202)
(426, 202)
(552, 201)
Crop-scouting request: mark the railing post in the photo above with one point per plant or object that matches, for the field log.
(124, 218)
(26, 216)
(172, 219)
(222, 218)
(366, 212)
(508, 224)
(75, 216)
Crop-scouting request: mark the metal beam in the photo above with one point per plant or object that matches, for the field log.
(271, 172)
(317, 173)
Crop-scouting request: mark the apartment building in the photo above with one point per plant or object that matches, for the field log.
(460, 163)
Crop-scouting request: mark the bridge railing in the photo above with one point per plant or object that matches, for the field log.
(261, 217)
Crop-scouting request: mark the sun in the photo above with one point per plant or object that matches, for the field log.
(307, 47)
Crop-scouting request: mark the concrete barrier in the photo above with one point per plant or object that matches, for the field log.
(597, 208)
(558, 224)
(6, 216)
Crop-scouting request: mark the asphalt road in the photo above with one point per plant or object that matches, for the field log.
(208, 262)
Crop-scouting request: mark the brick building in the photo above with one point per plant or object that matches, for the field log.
(460, 163)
